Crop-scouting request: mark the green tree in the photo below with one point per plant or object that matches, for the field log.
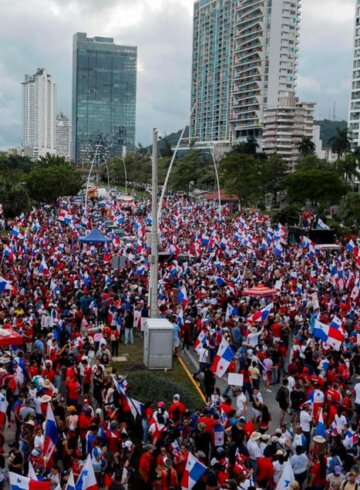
(248, 147)
(191, 167)
(138, 168)
(340, 144)
(274, 172)
(320, 186)
(348, 167)
(242, 175)
(15, 200)
(306, 146)
(11, 163)
(165, 148)
(52, 178)
(349, 210)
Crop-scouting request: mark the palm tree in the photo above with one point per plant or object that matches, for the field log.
(248, 147)
(306, 146)
(340, 144)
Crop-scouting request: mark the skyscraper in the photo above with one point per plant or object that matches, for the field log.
(63, 136)
(245, 58)
(265, 60)
(39, 106)
(104, 96)
(354, 109)
(211, 84)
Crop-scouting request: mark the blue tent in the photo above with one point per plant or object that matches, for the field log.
(94, 237)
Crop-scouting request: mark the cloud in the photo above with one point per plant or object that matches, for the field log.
(38, 33)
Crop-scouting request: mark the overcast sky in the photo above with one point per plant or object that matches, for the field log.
(38, 33)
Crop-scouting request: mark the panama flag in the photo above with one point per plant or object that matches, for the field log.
(193, 472)
(329, 334)
(287, 476)
(51, 434)
(8, 254)
(3, 407)
(201, 340)
(18, 482)
(320, 426)
(43, 269)
(261, 315)
(220, 282)
(87, 480)
(5, 285)
(16, 232)
(205, 240)
(278, 250)
(71, 482)
(264, 245)
(352, 248)
(222, 359)
(31, 472)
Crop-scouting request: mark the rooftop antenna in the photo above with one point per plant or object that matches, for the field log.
(334, 112)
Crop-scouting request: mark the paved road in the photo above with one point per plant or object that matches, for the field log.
(190, 359)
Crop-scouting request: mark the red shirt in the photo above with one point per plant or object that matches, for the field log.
(145, 463)
(73, 388)
(179, 407)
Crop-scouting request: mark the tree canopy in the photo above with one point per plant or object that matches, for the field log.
(52, 177)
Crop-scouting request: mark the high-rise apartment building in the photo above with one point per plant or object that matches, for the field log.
(104, 96)
(63, 136)
(39, 109)
(285, 125)
(265, 60)
(245, 58)
(212, 69)
(354, 110)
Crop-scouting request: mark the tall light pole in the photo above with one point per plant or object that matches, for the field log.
(154, 257)
(125, 172)
(172, 163)
(97, 151)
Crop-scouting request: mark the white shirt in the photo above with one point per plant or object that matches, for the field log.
(299, 463)
(240, 403)
(305, 421)
(357, 393)
(340, 422)
(254, 449)
(203, 355)
(278, 469)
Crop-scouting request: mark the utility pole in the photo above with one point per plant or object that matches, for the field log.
(154, 257)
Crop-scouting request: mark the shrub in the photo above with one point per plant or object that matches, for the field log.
(159, 386)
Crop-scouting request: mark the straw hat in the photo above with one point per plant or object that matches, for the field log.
(319, 439)
(45, 399)
(47, 384)
(255, 436)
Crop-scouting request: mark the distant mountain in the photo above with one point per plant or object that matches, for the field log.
(170, 140)
(328, 130)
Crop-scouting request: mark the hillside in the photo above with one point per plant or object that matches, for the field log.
(328, 130)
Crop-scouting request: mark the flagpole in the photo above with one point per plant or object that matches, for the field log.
(154, 257)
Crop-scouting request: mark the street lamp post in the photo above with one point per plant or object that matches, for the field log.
(89, 175)
(211, 148)
(154, 257)
(125, 171)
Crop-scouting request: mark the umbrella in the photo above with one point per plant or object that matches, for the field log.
(10, 337)
(259, 291)
(94, 237)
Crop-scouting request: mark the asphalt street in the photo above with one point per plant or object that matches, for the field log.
(190, 359)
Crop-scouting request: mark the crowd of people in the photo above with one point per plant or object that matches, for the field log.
(294, 416)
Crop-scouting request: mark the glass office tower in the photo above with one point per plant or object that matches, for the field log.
(103, 98)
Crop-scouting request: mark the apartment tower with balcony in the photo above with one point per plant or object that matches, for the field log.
(265, 61)
(354, 109)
